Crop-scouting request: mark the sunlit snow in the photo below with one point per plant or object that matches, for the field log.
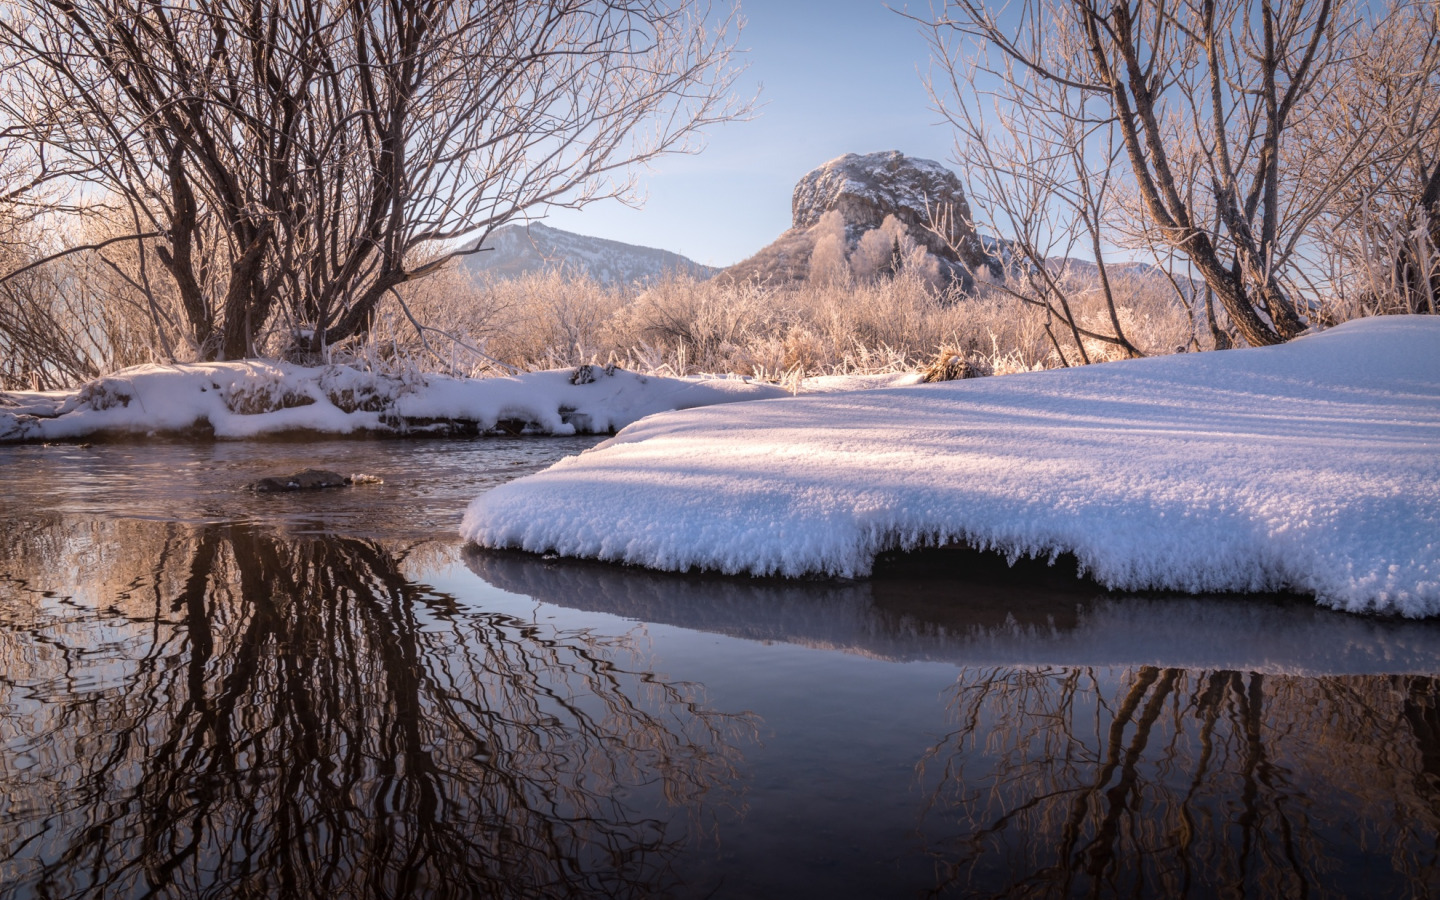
(248, 399)
(1312, 467)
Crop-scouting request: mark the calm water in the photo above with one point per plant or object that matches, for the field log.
(209, 693)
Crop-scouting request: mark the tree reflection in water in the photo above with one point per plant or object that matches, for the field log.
(294, 716)
(1173, 782)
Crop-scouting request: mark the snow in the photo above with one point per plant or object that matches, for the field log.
(250, 399)
(834, 384)
(1311, 467)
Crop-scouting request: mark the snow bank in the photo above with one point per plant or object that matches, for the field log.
(248, 399)
(1312, 467)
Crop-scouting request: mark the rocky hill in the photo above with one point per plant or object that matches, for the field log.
(521, 249)
(864, 190)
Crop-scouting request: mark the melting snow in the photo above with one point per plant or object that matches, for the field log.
(1313, 467)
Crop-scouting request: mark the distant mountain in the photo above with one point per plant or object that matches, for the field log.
(521, 249)
(1140, 271)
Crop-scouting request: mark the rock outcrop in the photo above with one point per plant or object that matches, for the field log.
(865, 189)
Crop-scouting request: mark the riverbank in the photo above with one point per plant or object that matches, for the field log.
(256, 398)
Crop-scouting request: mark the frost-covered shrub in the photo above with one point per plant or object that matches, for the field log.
(890, 250)
(683, 326)
(828, 263)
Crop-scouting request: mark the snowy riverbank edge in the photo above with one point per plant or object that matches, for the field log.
(257, 398)
(1311, 467)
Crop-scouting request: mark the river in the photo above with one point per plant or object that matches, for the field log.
(206, 692)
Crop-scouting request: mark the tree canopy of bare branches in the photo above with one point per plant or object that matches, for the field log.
(1208, 108)
(1384, 225)
(286, 164)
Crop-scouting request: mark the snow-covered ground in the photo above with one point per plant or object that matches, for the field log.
(249, 399)
(1313, 467)
(256, 398)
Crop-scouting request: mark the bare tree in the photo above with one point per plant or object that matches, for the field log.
(65, 322)
(290, 163)
(1383, 228)
(1041, 173)
(1205, 98)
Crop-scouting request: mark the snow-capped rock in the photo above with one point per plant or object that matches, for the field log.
(517, 250)
(865, 189)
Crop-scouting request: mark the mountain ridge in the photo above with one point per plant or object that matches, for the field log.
(516, 250)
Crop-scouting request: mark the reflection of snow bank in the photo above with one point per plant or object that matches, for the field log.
(245, 399)
(879, 620)
(1313, 466)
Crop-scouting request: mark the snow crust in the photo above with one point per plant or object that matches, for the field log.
(1311, 467)
(834, 384)
(250, 399)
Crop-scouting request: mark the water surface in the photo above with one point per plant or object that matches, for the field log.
(206, 692)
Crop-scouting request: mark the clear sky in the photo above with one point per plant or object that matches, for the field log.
(835, 77)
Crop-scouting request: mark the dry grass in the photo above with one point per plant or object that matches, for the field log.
(684, 327)
(780, 333)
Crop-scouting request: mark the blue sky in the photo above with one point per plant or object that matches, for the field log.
(836, 77)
